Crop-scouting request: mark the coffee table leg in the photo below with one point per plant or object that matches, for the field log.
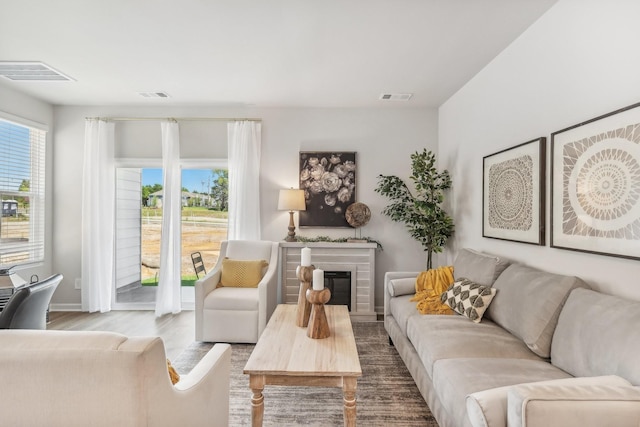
(256, 383)
(349, 385)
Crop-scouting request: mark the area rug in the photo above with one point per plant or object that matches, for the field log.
(386, 395)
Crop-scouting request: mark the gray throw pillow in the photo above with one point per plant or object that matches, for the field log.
(478, 267)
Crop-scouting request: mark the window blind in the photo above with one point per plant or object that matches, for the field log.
(22, 193)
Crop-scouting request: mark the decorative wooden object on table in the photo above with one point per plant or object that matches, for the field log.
(285, 356)
(305, 274)
(318, 326)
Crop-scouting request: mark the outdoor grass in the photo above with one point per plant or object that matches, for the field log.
(186, 281)
(187, 212)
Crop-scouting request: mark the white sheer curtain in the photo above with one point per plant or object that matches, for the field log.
(244, 139)
(98, 195)
(168, 296)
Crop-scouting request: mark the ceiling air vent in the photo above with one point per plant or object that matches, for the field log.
(396, 96)
(153, 94)
(31, 71)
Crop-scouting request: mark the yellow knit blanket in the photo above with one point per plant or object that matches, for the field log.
(430, 285)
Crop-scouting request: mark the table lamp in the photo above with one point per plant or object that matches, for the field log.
(291, 200)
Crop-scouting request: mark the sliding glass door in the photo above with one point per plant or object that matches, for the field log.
(204, 204)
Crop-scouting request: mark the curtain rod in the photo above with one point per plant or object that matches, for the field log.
(193, 119)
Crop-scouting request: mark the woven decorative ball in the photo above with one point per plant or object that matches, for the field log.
(358, 214)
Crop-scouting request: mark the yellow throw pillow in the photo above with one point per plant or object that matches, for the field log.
(241, 274)
(173, 374)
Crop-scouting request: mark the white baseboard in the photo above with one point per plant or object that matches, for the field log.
(187, 306)
(65, 307)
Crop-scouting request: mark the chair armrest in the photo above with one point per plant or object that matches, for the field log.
(216, 364)
(268, 291)
(204, 287)
(200, 398)
(534, 405)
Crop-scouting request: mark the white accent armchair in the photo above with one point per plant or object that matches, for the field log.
(237, 314)
(91, 378)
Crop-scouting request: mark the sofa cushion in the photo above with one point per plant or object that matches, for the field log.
(399, 287)
(401, 308)
(448, 337)
(478, 267)
(454, 379)
(598, 334)
(489, 407)
(468, 298)
(529, 302)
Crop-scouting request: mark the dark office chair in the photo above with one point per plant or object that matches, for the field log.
(198, 264)
(27, 307)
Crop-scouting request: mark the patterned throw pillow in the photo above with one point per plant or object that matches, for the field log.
(241, 273)
(468, 298)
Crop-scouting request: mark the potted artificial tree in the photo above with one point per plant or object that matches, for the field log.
(420, 210)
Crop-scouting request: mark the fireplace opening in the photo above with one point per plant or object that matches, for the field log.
(339, 283)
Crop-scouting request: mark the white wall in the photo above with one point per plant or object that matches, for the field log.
(26, 107)
(383, 139)
(578, 61)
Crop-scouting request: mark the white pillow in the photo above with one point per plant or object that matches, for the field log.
(488, 408)
(399, 287)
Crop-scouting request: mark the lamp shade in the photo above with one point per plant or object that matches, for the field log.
(291, 200)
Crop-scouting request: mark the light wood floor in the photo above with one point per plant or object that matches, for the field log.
(176, 330)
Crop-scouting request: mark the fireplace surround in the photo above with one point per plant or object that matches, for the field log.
(356, 260)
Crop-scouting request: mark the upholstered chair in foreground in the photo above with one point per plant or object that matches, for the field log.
(235, 300)
(91, 378)
(27, 307)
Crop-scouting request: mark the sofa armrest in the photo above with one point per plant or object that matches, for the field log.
(534, 405)
(488, 408)
(393, 275)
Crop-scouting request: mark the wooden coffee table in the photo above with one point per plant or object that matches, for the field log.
(285, 356)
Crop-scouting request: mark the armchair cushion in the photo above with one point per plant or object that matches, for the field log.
(242, 273)
(232, 298)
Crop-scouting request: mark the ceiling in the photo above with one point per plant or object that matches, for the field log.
(265, 53)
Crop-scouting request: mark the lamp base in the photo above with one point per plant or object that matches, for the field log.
(291, 235)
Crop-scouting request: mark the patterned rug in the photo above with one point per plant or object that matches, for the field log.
(386, 392)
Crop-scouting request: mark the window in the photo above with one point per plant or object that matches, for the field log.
(22, 184)
(139, 201)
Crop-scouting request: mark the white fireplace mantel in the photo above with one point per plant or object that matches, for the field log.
(357, 258)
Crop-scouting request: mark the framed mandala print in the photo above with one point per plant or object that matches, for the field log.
(595, 190)
(329, 183)
(513, 193)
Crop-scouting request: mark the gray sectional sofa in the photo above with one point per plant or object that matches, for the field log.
(548, 352)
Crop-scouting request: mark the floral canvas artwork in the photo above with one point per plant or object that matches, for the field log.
(329, 183)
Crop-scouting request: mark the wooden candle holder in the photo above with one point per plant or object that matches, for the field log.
(318, 325)
(305, 274)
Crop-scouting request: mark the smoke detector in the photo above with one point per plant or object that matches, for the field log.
(154, 94)
(395, 96)
(31, 71)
